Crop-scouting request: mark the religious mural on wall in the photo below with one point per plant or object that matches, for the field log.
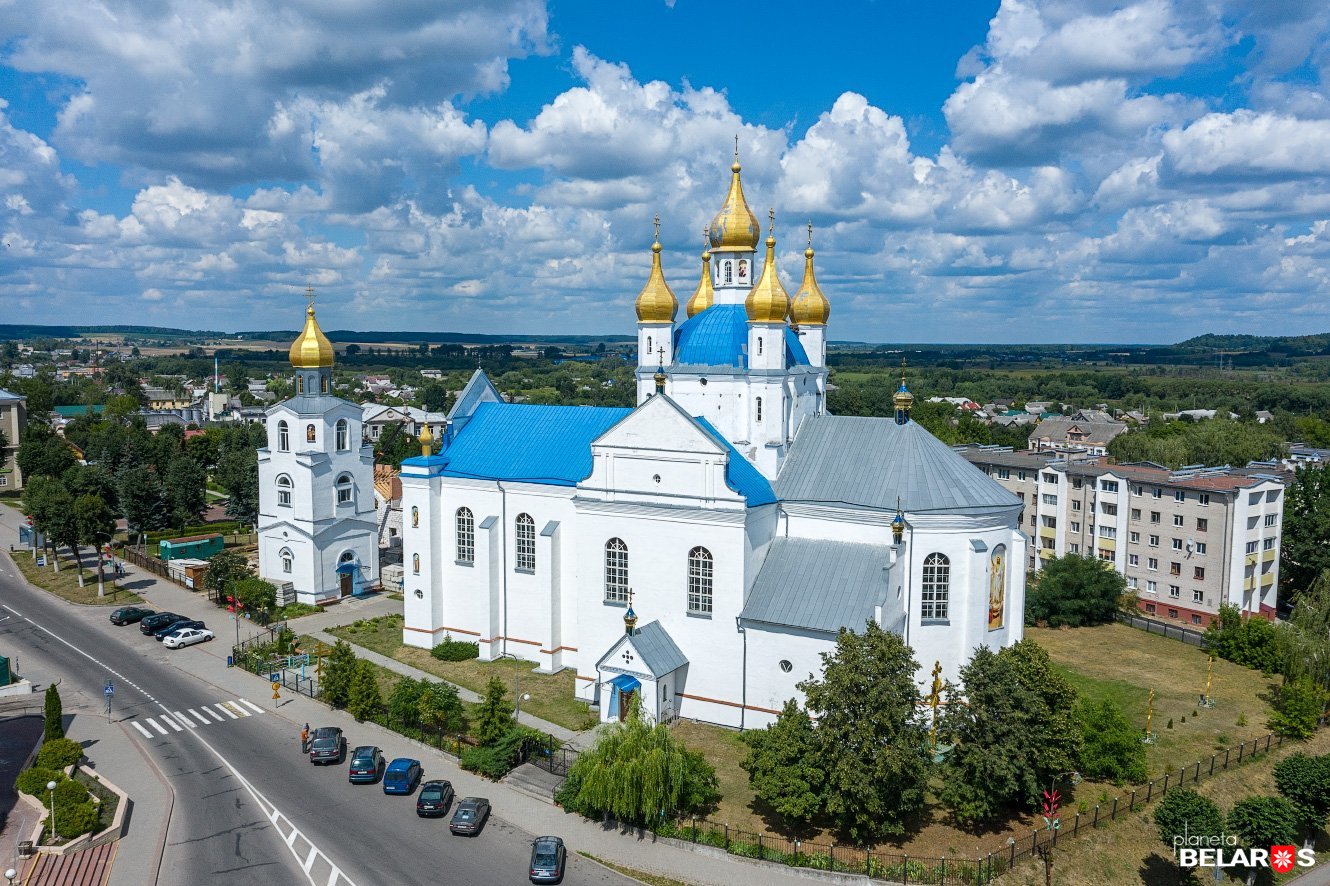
(997, 587)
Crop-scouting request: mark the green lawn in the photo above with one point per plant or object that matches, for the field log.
(551, 694)
(65, 583)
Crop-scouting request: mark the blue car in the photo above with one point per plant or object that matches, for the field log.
(402, 776)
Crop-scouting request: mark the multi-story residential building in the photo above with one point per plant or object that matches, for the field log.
(1187, 541)
(13, 417)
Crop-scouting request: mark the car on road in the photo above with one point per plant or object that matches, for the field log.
(187, 637)
(435, 798)
(127, 615)
(470, 817)
(401, 776)
(327, 745)
(367, 765)
(175, 626)
(151, 624)
(548, 858)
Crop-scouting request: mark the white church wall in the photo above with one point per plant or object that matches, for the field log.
(769, 684)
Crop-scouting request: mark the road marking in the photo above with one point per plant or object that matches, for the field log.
(155, 725)
(225, 710)
(210, 712)
(255, 708)
(197, 716)
(232, 706)
(90, 658)
(172, 723)
(183, 719)
(139, 727)
(311, 858)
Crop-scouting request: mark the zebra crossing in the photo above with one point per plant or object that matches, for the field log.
(196, 718)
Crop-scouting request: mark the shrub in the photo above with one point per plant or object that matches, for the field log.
(486, 761)
(70, 793)
(53, 714)
(1252, 642)
(59, 753)
(71, 821)
(1075, 591)
(455, 650)
(33, 781)
(1298, 706)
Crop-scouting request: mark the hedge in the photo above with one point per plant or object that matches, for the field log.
(455, 650)
(59, 753)
(33, 781)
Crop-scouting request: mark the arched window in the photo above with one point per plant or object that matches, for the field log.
(344, 489)
(466, 536)
(343, 435)
(699, 581)
(526, 542)
(759, 344)
(300, 383)
(287, 560)
(325, 384)
(759, 408)
(936, 588)
(616, 571)
(729, 276)
(347, 557)
(310, 434)
(415, 517)
(283, 437)
(415, 563)
(284, 490)
(650, 347)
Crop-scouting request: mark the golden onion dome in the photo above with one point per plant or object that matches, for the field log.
(311, 349)
(809, 307)
(426, 440)
(735, 228)
(705, 295)
(903, 400)
(656, 302)
(767, 301)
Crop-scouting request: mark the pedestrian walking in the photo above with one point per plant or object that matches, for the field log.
(304, 739)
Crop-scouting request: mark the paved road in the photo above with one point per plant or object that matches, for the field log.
(248, 808)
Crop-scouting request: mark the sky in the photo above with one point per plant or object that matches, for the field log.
(1000, 171)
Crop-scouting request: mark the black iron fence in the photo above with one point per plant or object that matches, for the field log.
(1172, 631)
(548, 754)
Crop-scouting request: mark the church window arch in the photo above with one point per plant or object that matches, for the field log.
(345, 489)
(759, 345)
(700, 575)
(324, 386)
(466, 536)
(284, 490)
(288, 560)
(936, 588)
(343, 435)
(616, 571)
(311, 433)
(526, 542)
(283, 437)
(415, 563)
(300, 384)
(759, 408)
(729, 272)
(650, 346)
(415, 517)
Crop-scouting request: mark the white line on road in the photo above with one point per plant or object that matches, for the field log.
(155, 725)
(139, 727)
(210, 712)
(255, 708)
(225, 710)
(95, 661)
(232, 706)
(172, 723)
(310, 859)
(197, 716)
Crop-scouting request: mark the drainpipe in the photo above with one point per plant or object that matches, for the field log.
(908, 584)
(743, 680)
(503, 564)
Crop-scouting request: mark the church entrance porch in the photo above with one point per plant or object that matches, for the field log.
(645, 664)
(623, 689)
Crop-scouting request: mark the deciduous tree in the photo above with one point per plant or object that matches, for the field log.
(95, 523)
(1111, 746)
(440, 708)
(43, 453)
(1263, 822)
(337, 673)
(1304, 551)
(1184, 813)
(784, 765)
(1074, 591)
(1304, 781)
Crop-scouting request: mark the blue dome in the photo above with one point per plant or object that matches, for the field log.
(718, 336)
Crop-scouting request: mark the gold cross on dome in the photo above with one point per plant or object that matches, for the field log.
(771, 219)
(657, 220)
(309, 294)
(736, 147)
(810, 233)
(630, 598)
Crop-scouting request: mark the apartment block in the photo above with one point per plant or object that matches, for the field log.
(1187, 541)
(13, 418)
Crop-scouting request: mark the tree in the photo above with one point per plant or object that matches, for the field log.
(46, 500)
(394, 445)
(1298, 707)
(337, 674)
(364, 700)
(1249, 641)
(61, 527)
(1185, 813)
(638, 772)
(434, 396)
(1305, 544)
(873, 739)
(1015, 732)
(1110, 745)
(784, 765)
(53, 714)
(141, 499)
(440, 708)
(255, 594)
(1305, 639)
(225, 568)
(495, 716)
(1264, 822)
(1305, 782)
(404, 702)
(184, 487)
(95, 524)
(43, 453)
(1074, 591)
(238, 473)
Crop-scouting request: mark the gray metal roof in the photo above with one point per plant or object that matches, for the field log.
(656, 649)
(822, 585)
(871, 462)
(6, 395)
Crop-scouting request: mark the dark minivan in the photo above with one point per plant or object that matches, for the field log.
(151, 624)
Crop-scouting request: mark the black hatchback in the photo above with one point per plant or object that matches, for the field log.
(127, 615)
(177, 626)
(548, 858)
(434, 799)
(153, 623)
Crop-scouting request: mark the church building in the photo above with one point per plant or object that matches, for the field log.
(703, 548)
(317, 528)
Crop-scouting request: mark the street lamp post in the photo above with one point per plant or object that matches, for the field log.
(50, 786)
(10, 875)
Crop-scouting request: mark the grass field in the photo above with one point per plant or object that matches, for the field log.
(65, 583)
(551, 694)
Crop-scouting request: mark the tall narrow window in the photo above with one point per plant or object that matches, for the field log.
(283, 437)
(526, 542)
(936, 589)
(287, 560)
(343, 435)
(650, 347)
(616, 571)
(325, 384)
(759, 344)
(466, 536)
(728, 276)
(284, 490)
(310, 434)
(415, 517)
(699, 581)
(415, 563)
(344, 488)
(759, 408)
(300, 384)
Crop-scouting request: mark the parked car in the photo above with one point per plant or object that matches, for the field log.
(327, 745)
(435, 798)
(178, 626)
(151, 624)
(470, 817)
(187, 637)
(548, 858)
(401, 776)
(127, 615)
(367, 765)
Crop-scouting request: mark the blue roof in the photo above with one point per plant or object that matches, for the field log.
(521, 442)
(719, 337)
(740, 475)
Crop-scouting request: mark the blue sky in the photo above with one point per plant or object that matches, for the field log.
(1024, 170)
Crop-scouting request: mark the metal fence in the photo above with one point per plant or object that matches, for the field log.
(1172, 631)
(548, 755)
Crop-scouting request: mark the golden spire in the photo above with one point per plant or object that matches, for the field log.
(767, 301)
(656, 302)
(311, 349)
(809, 307)
(735, 228)
(904, 400)
(705, 295)
(426, 441)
